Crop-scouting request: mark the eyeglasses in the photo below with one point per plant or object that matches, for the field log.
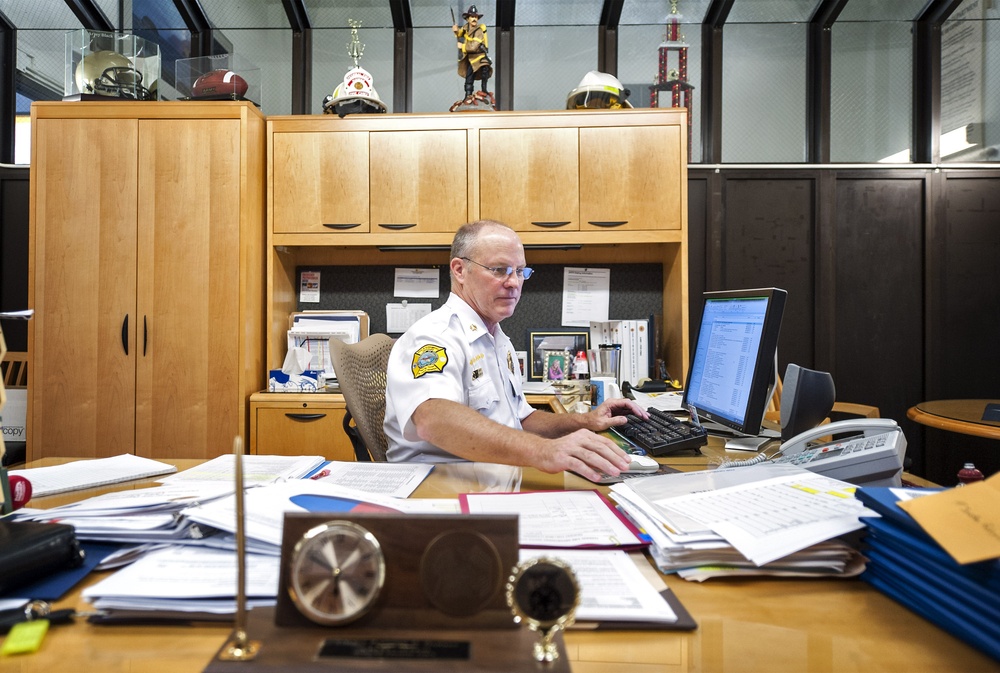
(504, 272)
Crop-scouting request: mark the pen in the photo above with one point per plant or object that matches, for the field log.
(321, 474)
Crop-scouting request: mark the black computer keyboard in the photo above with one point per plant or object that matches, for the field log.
(662, 433)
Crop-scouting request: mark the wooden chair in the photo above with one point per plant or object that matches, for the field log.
(360, 370)
(773, 412)
(15, 369)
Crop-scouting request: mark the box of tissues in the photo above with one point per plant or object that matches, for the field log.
(294, 377)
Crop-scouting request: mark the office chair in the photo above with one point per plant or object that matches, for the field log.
(360, 370)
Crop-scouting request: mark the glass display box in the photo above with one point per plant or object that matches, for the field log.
(219, 77)
(101, 65)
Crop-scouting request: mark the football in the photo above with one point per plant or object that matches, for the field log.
(219, 83)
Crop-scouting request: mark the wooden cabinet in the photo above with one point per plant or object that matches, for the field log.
(146, 276)
(581, 187)
(294, 424)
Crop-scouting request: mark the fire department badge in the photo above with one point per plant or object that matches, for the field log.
(428, 358)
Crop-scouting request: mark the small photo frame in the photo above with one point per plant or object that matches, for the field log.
(558, 340)
(522, 362)
(557, 365)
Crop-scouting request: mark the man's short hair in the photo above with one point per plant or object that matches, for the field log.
(468, 235)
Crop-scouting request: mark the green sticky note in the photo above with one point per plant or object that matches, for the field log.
(25, 638)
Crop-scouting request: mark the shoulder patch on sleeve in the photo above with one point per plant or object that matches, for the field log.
(429, 358)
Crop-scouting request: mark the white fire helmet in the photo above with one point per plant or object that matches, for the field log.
(598, 91)
(355, 94)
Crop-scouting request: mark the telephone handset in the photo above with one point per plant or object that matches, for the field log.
(875, 458)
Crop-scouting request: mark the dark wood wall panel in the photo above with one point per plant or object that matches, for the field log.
(768, 241)
(879, 298)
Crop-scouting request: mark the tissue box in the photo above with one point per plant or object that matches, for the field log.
(309, 381)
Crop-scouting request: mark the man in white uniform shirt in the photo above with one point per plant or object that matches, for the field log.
(454, 384)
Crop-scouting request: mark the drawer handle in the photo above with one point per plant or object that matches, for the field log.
(305, 417)
(610, 223)
(341, 225)
(397, 227)
(551, 225)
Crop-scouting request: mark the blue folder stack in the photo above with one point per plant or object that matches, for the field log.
(907, 565)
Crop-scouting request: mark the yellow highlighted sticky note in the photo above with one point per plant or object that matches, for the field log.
(25, 637)
(964, 520)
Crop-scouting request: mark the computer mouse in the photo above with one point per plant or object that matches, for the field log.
(642, 464)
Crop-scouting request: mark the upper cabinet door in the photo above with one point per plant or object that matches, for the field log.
(529, 178)
(320, 182)
(419, 180)
(630, 178)
(82, 287)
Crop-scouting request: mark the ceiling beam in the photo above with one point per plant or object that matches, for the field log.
(302, 61)
(819, 54)
(8, 89)
(90, 15)
(607, 36)
(402, 56)
(711, 80)
(927, 79)
(197, 22)
(503, 54)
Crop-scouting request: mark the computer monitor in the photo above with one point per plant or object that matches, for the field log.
(732, 372)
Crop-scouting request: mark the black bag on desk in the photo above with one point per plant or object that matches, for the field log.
(30, 550)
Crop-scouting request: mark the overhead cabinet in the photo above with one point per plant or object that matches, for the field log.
(146, 276)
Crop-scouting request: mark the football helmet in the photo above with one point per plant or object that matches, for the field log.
(356, 94)
(108, 73)
(598, 91)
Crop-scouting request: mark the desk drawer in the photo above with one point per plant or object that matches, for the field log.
(308, 428)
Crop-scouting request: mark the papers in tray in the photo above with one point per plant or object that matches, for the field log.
(91, 473)
(560, 519)
(766, 519)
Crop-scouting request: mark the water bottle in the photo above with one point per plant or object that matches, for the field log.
(969, 474)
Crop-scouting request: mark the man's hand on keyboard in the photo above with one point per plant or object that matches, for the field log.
(613, 412)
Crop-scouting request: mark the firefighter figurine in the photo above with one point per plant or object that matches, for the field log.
(473, 62)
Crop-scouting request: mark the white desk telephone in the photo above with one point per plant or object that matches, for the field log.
(875, 458)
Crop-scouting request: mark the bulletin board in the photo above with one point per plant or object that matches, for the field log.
(636, 291)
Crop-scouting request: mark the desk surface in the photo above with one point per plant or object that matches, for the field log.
(964, 416)
(743, 625)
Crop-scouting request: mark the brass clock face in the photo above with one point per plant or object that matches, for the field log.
(336, 573)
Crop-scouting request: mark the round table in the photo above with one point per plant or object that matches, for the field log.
(964, 416)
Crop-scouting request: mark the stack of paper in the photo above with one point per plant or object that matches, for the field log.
(761, 520)
(81, 474)
(184, 582)
(952, 578)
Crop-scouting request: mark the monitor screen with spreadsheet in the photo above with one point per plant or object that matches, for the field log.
(732, 372)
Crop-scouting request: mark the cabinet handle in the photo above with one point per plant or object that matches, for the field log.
(550, 225)
(397, 227)
(145, 335)
(610, 223)
(341, 225)
(305, 417)
(125, 334)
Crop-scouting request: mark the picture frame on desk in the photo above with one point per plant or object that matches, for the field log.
(555, 339)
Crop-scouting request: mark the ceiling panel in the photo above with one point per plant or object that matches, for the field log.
(337, 13)
(46, 15)
(880, 10)
(557, 12)
(240, 14)
(654, 12)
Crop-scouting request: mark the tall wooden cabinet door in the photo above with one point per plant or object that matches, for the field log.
(83, 175)
(320, 182)
(419, 180)
(529, 178)
(188, 402)
(630, 178)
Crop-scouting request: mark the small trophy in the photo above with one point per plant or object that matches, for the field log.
(544, 594)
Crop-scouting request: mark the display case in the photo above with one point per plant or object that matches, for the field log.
(102, 66)
(219, 77)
